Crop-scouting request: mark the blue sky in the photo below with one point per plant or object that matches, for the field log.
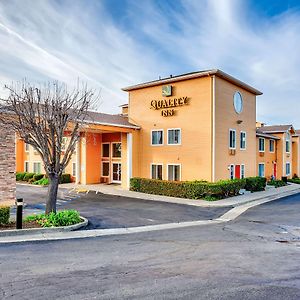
(115, 43)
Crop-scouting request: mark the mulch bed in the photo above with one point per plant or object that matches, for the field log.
(26, 225)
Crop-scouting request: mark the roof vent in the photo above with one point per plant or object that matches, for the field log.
(171, 76)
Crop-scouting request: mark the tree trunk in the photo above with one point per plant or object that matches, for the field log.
(52, 194)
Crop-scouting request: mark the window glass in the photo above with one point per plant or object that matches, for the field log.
(105, 150)
(105, 169)
(232, 139)
(174, 136)
(74, 169)
(64, 143)
(26, 169)
(26, 147)
(37, 167)
(261, 170)
(287, 169)
(174, 172)
(272, 145)
(156, 172)
(243, 140)
(238, 102)
(287, 142)
(231, 171)
(116, 150)
(157, 137)
(261, 145)
(242, 171)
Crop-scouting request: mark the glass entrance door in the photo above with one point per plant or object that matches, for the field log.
(116, 172)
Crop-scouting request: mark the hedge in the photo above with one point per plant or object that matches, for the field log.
(28, 176)
(4, 215)
(197, 189)
(276, 183)
(65, 178)
(40, 179)
(20, 176)
(294, 180)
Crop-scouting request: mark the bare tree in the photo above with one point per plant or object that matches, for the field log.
(42, 116)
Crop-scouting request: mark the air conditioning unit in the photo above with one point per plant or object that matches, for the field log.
(232, 151)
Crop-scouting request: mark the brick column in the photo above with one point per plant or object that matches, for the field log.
(7, 167)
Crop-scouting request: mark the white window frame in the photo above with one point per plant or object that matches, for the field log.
(243, 167)
(264, 169)
(105, 162)
(233, 130)
(26, 162)
(36, 162)
(288, 140)
(243, 132)
(111, 153)
(109, 150)
(162, 170)
(261, 138)
(287, 164)
(180, 170)
(271, 140)
(156, 145)
(169, 129)
(233, 171)
(64, 143)
(74, 168)
(27, 148)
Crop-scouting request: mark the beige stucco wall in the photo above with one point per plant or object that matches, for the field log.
(226, 118)
(195, 153)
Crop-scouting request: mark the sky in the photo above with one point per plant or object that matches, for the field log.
(112, 44)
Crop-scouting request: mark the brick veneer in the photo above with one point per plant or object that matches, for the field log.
(7, 167)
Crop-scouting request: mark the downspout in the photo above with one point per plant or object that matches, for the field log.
(213, 128)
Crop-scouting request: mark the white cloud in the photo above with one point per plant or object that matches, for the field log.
(70, 39)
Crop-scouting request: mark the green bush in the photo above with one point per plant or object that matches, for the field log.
(188, 189)
(61, 218)
(20, 176)
(28, 176)
(4, 215)
(255, 184)
(42, 181)
(294, 180)
(65, 178)
(276, 183)
(37, 177)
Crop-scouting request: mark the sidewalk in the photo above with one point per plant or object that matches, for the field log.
(233, 201)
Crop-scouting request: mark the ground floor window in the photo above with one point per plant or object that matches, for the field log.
(288, 169)
(37, 167)
(105, 169)
(74, 169)
(231, 168)
(26, 166)
(261, 170)
(174, 172)
(242, 171)
(156, 171)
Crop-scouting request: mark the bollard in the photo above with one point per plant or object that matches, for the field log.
(19, 213)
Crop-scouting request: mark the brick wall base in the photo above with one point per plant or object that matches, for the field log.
(7, 167)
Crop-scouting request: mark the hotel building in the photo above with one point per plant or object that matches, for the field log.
(196, 126)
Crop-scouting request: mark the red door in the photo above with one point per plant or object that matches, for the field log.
(275, 170)
(237, 171)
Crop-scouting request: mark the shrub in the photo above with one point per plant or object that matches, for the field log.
(42, 181)
(4, 215)
(61, 218)
(294, 180)
(276, 183)
(20, 176)
(28, 176)
(255, 184)
(37, 177)
(65, 178)
(188, 189)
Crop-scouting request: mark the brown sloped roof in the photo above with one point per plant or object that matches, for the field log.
(275, 128)
(109, 120)
(192, 75)
(297, 132)
(267, 136)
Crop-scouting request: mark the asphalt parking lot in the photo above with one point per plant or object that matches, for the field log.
(108, 211)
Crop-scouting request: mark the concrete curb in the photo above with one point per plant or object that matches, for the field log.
(231, 215)
(18, 232)
(32, 185)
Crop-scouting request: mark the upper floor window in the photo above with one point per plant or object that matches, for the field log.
(157, 137)
(272, 145)
(64, 143)
(287, 142)
(174, 136)
(116, 150)
(261, 145)
(105, 150)
(232, 139)
(26, 147)
(243, 140)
